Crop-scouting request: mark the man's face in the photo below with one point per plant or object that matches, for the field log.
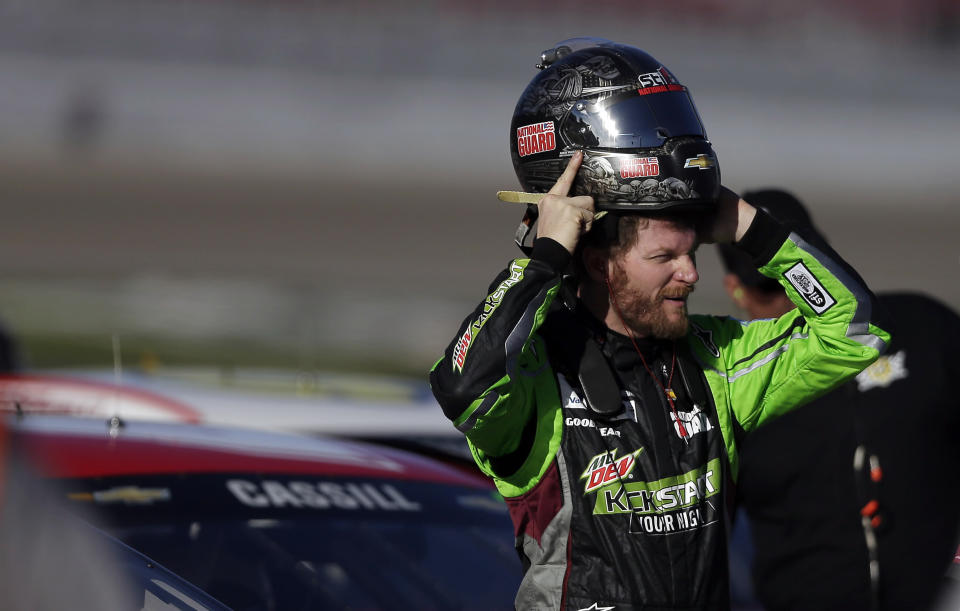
(650, 282)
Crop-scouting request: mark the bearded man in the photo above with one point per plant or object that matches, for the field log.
(609, 418)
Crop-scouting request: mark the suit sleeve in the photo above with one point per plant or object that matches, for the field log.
(485, 380)
(837, 329)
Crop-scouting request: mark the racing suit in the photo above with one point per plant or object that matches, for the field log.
(629, 510)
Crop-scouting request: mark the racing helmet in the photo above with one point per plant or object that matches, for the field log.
(644, 144)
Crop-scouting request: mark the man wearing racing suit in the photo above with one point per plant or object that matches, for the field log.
(607, 418)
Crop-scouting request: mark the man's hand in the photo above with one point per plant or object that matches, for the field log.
(730, 221)
(564, 218)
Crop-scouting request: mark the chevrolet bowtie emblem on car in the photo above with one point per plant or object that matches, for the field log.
(130, 495)
(701, 162)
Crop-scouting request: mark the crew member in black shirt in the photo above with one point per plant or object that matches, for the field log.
(852, 499)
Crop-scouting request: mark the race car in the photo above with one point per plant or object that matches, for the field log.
(268, 520)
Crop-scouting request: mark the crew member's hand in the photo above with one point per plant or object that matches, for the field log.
(730, 221)
(564, 218)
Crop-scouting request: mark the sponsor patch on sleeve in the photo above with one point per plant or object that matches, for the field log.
(460, 350)
(803, 280)
(706, 338)
(490, 305)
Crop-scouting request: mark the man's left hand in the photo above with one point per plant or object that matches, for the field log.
(729, 221)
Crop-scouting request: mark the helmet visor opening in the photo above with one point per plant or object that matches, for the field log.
(632, 122)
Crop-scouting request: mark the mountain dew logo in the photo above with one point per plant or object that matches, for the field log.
(490, 305)
(606, 467)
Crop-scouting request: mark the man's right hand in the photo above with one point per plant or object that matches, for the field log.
(564, 218)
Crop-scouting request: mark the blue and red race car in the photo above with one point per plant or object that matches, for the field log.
(265, 520)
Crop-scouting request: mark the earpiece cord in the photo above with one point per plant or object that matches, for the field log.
(668, 389)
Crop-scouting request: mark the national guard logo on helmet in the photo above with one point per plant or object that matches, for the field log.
(644, 144)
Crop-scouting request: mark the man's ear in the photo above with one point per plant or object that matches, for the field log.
(735, 289)
(595, 262)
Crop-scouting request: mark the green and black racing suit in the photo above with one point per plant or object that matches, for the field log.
(629, 510)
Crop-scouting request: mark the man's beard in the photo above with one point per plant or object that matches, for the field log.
(644, 315)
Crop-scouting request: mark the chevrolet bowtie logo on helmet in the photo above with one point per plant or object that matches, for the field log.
(701, 162)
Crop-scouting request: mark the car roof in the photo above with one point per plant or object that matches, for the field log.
(357, 406)
(60, 394)
(66, 447)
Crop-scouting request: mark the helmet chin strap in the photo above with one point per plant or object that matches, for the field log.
(526, 226)
(530, 216)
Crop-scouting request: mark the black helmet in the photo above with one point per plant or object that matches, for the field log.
(644, 145)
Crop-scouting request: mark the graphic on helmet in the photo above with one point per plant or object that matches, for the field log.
(644, 144)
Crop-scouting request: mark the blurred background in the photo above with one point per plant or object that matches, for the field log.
(311, 185)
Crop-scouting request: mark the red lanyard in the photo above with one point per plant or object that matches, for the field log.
(668, 389)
